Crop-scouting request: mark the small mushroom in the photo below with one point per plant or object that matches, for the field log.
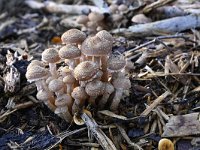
(38, 75)
(69, 80)
(140, 19)
(165, 144)
(51, 56)
(64, 104)
(85, 70)
(113, 8)
(120, 84)
(122, 8)
(35, 63)
(48, 98)
(57, 86)
(79, 96)
(107, 91)
(94, 89)
(73, 36)
(72, 53)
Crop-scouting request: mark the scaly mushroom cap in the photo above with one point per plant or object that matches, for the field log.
(35, 63)
(69, 79)
(123, 83)
(69, 52)
(82, 19)
(79, 93)
(50, 55)
(73, 36)
(94, 88)
(105, 35)
(35, 73)
(116, 64)
(95, 16)
(55, 85)
(85, 70)
(44, 95)
(94, 46)
(63, 100)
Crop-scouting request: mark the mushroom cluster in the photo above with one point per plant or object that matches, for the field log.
(88, 74)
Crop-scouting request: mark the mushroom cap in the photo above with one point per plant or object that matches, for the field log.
(140, 18)
(116, 64)
(94, 46)
(55, 85)
(35, 73)
(50, 55)
(69, 52)
(122, 7)
(105, 35)
(35, 63)
(63, 100)
(82, 19)
(73, 36)
(165, 144)
(108, 88)
(79, 93)
(69, 79)
(95, 16)
(85, 70)
(117, 17)
(123, 83)
(113, 8)
(44, 95)
(94, 88)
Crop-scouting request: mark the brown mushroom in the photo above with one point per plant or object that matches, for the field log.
(120, 84)
(69, 80)
(51, 56)
(48, 98)
(38, 75)
(113, 8)
(72, 53)
(122, 8)
(79, 96)
(85, 70)
(94, 89)
(73, 36)
(64, 104)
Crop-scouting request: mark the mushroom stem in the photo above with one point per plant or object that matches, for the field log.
(116, 99)
(41, 85)
(96, 59)
(103, 100)
(104, 61)
(53, 69)
(91, 100)
(77, 105)
(69, 88)
(64, 113)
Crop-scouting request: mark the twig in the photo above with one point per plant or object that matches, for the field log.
(155, 103)
(63, 135)
(100, 136)
(53, 7)
(125, 136)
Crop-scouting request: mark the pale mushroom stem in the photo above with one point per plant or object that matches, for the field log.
(69, 88)
(64, 113)
(50, 104)
(104, 62)
(41, 85)
(96, 59)
(77, 105)
(53, 69)
(116, 99)
(103, 100)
